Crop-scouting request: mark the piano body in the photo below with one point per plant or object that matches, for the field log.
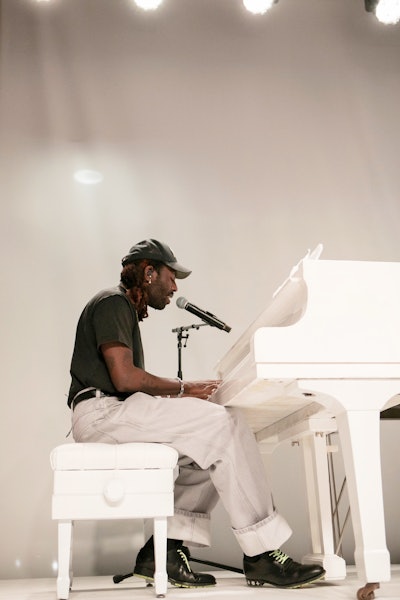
(324, 356)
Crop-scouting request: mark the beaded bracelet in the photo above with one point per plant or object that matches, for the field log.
(182, 390)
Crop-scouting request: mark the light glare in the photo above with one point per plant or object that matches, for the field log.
(388, 11)
(148, 4)
(258, 7)
(88, 177)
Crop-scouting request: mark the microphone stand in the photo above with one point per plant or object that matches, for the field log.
(180, 336)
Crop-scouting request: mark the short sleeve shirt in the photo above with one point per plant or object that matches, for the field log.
(108, 317)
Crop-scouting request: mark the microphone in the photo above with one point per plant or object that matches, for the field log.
(204, 315)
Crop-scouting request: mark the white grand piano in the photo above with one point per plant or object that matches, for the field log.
(324, 356)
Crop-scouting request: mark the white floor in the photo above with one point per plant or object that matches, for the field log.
(230, 587)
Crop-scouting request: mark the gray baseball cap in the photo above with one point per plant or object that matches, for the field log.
(155, 250)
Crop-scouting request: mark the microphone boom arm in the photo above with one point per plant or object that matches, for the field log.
(179, 333)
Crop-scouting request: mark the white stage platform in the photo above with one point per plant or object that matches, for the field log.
(230, 587)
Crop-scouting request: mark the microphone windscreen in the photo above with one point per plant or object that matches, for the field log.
(181, 302)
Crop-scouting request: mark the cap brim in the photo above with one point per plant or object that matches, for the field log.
(180, 271)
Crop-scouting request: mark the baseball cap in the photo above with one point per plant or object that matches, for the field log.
(155, 250)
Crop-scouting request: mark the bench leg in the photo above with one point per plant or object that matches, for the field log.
(160, 556)
(64, 578)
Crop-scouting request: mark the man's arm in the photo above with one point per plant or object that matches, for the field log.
(128, 378)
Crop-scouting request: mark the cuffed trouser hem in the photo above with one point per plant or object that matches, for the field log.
(192, 528)
(265, 535)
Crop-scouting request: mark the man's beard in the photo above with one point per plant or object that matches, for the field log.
(157, 303)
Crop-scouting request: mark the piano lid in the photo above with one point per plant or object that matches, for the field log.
(287, 306)
(351, 316)
(326, 312)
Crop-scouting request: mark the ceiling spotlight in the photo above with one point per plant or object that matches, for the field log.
(148, 4)
(258, 7)
(386, 11)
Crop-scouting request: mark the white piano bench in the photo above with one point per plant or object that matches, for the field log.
(112, 481)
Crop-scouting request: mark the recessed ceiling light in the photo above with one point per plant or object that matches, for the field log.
(148, 4)
(258, 7)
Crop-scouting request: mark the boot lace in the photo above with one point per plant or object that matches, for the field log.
(184, 558)
(279, 556)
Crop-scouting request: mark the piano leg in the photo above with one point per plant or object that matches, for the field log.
(360, 440)
(356, 405)
(319, 505)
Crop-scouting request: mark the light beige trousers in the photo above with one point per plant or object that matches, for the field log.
(219, 458)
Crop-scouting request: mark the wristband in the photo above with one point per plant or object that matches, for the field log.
(182, 390)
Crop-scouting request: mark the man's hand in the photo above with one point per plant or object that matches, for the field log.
(201, 389)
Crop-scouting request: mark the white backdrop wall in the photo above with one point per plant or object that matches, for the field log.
(241, 141)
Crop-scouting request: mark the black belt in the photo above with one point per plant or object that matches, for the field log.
(91, 394)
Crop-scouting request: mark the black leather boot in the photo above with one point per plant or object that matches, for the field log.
(179, 572)
(278, 569)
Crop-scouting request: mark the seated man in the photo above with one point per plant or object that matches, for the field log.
(115, 400)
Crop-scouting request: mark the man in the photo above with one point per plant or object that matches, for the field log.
(115, 400)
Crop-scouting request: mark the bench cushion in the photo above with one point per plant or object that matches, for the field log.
(89, 456)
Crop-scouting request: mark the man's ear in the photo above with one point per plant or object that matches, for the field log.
(148, 272)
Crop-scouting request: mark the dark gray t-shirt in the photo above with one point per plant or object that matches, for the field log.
(108, 317)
